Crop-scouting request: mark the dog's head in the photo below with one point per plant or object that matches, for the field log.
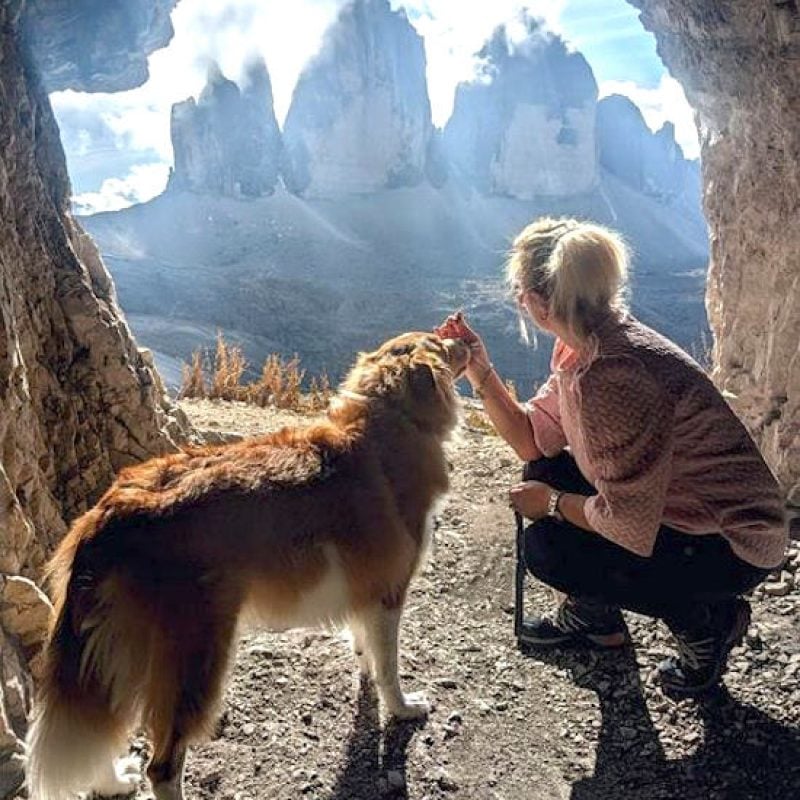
(412, 374)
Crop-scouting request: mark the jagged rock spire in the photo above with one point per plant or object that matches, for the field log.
(227, 142)
(360, 118)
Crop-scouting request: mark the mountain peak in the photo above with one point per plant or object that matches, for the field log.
(527, 80)
(228, 141)
(360, 118)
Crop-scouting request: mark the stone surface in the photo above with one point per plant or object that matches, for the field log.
(228, 142)
(78, 400)
(95, 46)
(24, 610)
(15, 693)
(739, 64)
(525, 127)
(360, 118)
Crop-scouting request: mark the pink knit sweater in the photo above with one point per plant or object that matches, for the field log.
(661, 446)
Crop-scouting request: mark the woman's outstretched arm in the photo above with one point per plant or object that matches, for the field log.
(509, 418)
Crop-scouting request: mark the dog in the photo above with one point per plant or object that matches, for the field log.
(317, 525)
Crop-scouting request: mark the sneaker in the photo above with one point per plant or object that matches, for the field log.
(703, 653)
(577, 621)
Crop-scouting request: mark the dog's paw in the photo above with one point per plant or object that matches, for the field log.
(414, 706)
(121, 779)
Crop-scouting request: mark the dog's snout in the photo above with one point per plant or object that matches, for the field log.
(458, 353)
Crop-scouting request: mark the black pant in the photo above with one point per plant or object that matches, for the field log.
(684, 576)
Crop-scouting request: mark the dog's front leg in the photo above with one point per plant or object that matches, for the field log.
(381, 628)
(360, 647)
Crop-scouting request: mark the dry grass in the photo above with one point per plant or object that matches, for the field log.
(279, 385)
(193, 381)
(229, 366)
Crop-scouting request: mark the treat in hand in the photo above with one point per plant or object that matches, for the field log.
(454, 327)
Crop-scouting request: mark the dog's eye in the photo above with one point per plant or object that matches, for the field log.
(402, 350)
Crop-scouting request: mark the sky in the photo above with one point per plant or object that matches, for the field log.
(118, 147)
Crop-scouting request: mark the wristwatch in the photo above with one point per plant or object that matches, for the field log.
(552, 505)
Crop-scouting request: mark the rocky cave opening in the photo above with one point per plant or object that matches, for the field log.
(78, 400)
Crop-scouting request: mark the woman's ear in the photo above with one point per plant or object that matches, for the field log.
(539, 307)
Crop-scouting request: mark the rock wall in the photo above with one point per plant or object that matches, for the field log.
(228, 142)
(740, 66)
(95, 46)
(78, 400)
(360, 118)
(525, 126)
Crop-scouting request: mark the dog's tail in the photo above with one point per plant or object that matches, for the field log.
(86, 701)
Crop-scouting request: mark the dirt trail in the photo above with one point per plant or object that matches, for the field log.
(505, 725)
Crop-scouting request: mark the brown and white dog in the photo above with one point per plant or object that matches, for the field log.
(318, 525)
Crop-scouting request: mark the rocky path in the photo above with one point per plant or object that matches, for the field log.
(505, 725)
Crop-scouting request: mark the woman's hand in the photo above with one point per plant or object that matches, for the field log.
(530, 498)
(456, 327)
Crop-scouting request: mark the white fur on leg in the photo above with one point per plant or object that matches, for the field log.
(122, 777)
(68, 753)
(381, 627)
(357, 642)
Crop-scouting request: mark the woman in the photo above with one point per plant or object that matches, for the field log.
(662, 503)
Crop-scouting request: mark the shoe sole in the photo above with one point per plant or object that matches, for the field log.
(743, 614)
(576, 640)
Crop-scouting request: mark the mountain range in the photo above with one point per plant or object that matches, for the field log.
(359, 218)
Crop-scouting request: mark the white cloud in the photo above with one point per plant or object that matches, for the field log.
(455, 30)
(286, 34)
(142, 183)
(666, 102)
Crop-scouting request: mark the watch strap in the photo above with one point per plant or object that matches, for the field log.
(552, 505)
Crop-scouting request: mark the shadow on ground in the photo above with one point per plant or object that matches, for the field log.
(744, 753)
(372, 754)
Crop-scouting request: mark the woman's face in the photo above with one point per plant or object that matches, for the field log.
(535, 306)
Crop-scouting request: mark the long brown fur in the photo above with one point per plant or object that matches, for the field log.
(149, 585)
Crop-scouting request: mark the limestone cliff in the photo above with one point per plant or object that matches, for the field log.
(739, 64)
(651, 163)
(228, 142)
(525, 126)
(360, 118)
(78, 400)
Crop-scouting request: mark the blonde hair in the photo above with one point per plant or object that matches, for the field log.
(579, 268)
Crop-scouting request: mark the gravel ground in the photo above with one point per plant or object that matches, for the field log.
(505, 724)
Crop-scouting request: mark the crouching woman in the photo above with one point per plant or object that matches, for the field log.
(645, 490)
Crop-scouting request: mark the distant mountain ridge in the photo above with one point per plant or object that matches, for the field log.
(528, 125)
(361, 219)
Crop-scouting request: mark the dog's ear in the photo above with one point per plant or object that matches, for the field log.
(423, 381)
